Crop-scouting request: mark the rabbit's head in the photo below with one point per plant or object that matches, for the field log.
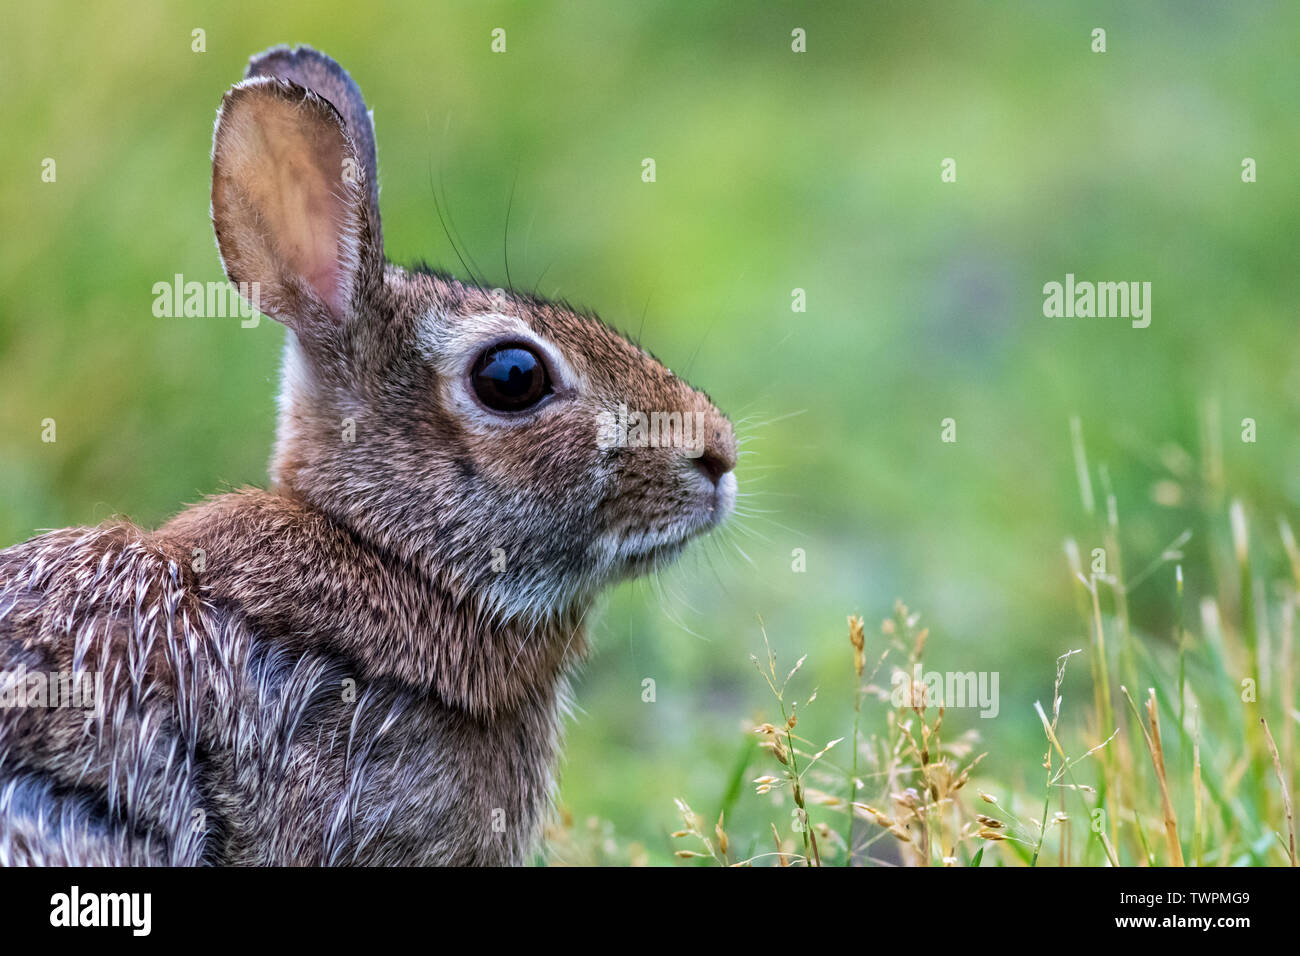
(519, 452)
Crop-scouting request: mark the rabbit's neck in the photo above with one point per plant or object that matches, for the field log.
(308, 583)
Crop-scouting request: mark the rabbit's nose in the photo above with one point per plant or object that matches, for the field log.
(714, 465)
(719, 454)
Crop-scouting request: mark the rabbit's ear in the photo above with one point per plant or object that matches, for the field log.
(321, 74)
(290, 206)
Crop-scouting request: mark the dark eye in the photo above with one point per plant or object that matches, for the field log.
(510, 378)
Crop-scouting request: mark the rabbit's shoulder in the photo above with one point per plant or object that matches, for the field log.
(94, 597)
(100, 635)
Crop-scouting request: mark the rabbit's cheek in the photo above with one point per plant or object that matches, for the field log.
(656, 508)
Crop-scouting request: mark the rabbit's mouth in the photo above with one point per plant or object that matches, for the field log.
(644, 552)
(654, 557)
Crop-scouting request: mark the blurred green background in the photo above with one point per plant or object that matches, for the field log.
(775, 171)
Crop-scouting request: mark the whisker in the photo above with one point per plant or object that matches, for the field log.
(505, 250)
(447, 231)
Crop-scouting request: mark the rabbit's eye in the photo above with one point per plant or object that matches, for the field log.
(510, 378)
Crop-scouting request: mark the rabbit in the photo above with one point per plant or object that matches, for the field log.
(369, 662)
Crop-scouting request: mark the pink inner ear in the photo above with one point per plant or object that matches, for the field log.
(310, 226)
(286, 159)
(309, 176)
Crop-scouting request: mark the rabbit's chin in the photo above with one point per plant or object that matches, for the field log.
(654, 558)
(647, 551)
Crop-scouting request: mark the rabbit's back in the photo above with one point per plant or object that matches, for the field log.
(210, 740)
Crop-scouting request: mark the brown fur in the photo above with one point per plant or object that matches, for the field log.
(340, 670)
